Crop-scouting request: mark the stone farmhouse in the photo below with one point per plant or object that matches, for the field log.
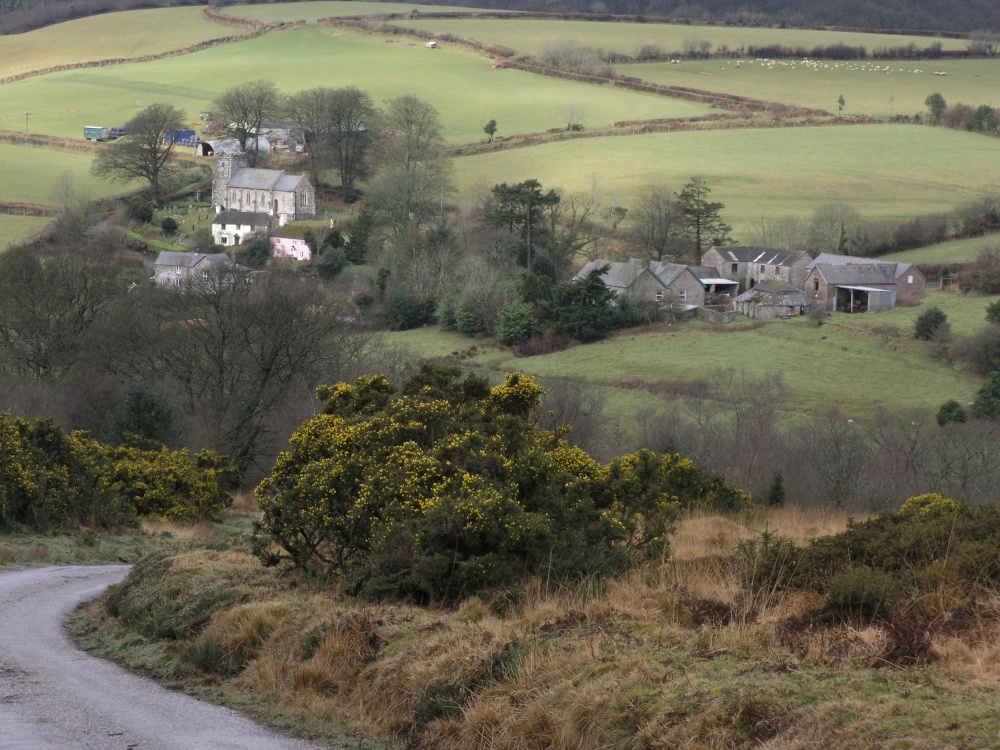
(754, 265)
(283, 197)
(903, 279)
(180, 269)
(650, 281)
(234, 227)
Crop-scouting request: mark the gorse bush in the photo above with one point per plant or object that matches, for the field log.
(49, 478)
(446, 486)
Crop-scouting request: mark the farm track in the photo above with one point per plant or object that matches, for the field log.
(55, 696)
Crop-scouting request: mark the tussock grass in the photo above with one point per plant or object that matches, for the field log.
(677, 653)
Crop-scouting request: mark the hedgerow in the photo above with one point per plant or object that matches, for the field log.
(49, 478)
(447, 486)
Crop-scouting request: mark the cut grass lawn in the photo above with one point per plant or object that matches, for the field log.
(957, 251)
(31, 173)
(856, 364)
(885, 171)
(464, 87)
(528, 35)
(16, 228)
(867, 87)
(110, 35)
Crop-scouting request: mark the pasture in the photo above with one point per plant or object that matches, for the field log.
(16, 228)
(823, 368)
(31, 174)
(957, 251)
(111, 35)
(62, 103)
(885, 171)
(868, 87)
(529, 35)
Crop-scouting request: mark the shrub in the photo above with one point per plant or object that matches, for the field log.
(929, 323)
(140, 209)
(865, 591)
(515, 323)
(50, 479)
(467, 318)
(930, 505)
(951, 411)
(446, 487)
(981, 350)
(171, 485)
(993, 313)
(406, 312)
(332, 260)
(987, 403)
(168, 224)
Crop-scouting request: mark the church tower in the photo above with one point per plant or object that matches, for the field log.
(226, 165)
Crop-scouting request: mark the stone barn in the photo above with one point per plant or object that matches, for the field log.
(755, 265)
(771, 299)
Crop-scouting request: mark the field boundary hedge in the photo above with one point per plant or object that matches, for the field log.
(646, 127)
(531, 65)
(253, 29)
(415, 14)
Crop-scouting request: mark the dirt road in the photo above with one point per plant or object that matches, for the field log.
(55, 696)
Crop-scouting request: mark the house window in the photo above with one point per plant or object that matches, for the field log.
(659, 296)
(683, 294)
(815, 285)
(204, 275)
(909, 279)
(177, 282)
(736, 268)
(763, 268)
(224, 239)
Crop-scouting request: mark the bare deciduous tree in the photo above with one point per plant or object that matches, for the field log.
(243, 109)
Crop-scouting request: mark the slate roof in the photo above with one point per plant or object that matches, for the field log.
(190, 260)
(778, 294)
(766, 255)
(858, 273)
(705, 272)
(667, 273)
(255, 179)
(242, 218)
(289, 182)
(839, 260)
(618, 275)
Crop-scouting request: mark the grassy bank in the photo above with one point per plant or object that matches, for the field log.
(676, 654)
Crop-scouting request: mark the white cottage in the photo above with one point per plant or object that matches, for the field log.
(234, 227)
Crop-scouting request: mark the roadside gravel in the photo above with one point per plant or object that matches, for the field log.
(54, 696)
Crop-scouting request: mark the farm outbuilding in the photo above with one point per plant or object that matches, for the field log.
(771, 299)
(853, 299)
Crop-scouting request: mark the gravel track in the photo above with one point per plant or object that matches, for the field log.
(54, 696)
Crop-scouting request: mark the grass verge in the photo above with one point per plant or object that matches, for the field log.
(675, 654)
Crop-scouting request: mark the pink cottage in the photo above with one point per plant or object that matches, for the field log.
(289, 247)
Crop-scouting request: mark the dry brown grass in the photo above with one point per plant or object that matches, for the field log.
(201, 531)
(17, 554)
(244, 504)
(701, 534)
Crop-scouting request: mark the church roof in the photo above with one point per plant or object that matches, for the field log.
(288, 182)
(255, 179)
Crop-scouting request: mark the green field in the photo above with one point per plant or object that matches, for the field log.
(842, 364)
(310, 12)
(111, 35)
(16, 228)
(885, 171)
(958, 251)
(31, 173)
(867, 87)
(528, 35)
(62, 103)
